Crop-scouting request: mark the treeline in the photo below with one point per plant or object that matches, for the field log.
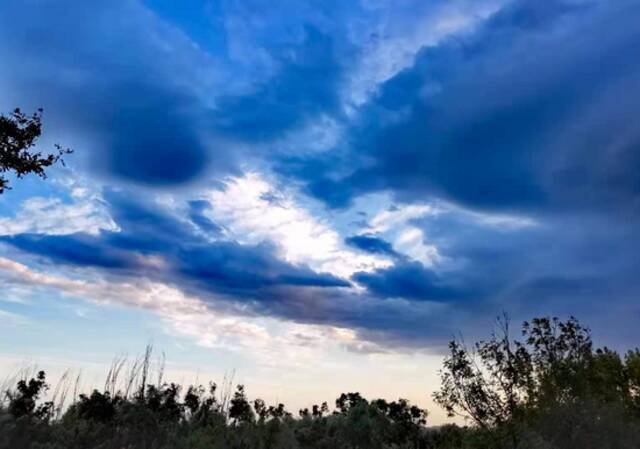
(549, 389)
(162, 417)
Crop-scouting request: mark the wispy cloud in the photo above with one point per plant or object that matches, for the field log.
(52, 216)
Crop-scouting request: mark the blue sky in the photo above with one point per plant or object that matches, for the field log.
(325, 189)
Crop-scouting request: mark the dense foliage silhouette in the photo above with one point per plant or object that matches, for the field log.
(551, 390)
(18, 135)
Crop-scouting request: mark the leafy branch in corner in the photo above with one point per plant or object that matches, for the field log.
(18, 135)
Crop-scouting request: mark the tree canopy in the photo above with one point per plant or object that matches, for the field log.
(549, 389)
(19, 133)
(551, 382)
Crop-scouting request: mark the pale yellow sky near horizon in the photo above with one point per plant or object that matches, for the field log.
(411, 376)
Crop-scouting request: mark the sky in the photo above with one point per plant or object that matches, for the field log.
(318, 195)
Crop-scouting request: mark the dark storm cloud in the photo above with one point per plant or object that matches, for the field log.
(152, 107)
(533, 113)
(583, 264)
(409, 280)
(245, 270)
(188, 260)
(526, 271)
(153, 141)
(371, 244)
(99, 74)
(305, 86)
(535, 110)
(81, 250)
(197, 216)
(156, 244)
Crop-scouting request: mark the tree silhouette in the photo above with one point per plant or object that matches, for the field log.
(549, 389)
(553, 381)
(23, 402)
(18, 135)
(240, 410)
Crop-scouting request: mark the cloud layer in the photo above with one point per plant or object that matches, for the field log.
(396, 176)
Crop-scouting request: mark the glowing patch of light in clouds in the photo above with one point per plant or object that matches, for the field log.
(253, 210)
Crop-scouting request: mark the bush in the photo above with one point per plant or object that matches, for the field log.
(552, 390)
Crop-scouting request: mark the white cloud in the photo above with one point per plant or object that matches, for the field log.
(501, 221)
(399, 215)
(271, 341)
(84, 211)
(394, 223)
(410, 242)
(400, 36)
(185, 314)
(253, 211)
(407, 239)
(53, 216)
